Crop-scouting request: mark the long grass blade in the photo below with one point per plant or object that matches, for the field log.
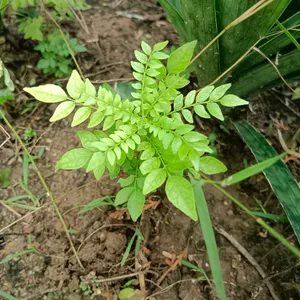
(251, 171)
(271, 216)
(209, 238)
(7, 296)
(279, 176)
(15, 255)
(288, 34)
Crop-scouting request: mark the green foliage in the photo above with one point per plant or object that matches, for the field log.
(56, 58)
(254, 73)
(6, 85)
(29, 134)
(7, 296)
(151, 137)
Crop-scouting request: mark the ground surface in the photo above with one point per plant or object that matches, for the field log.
(100, 238)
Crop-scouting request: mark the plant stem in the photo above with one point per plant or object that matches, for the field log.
(44, 185)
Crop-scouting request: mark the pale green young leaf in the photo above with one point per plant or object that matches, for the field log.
(147, 154)
(210, 165)
(81, 115)
(232, 101)
(183, 151)
(138, 76)
(149, 165)
(123, 195)
(152, 72)
(155, 64)
(184, 128)
(108, 122)
(135, 204)
(154, 180)
(178, 102)
(141, 57)
(96, 118)
(89, 88)
(138, 67)
(75, 86)
(194, 136)
(48, 93)
(136, 86)
(74, 159)
(219, 92)
(111, 157)
(194, 158)
(118, 152)
(177, 142)
(215, 110)
(204, 94)
(146, 48)
(160, 46)
(180, 58)
(86, 139)
(167, 140)
(100, 146)
(188, 115)
(190, 97)
(97, 164)
(160, 55)
(63, 110)
(136, 139)
(180, 193)
(201, 111)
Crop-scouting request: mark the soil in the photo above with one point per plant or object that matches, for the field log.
(53, 272)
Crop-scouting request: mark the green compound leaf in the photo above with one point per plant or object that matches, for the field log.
(210, 165)
(188, 116)
(204, 94)
(123, 195)
(160, 46)
(180, 192)
(150, 165)
(81, 115)
(63, 110)
(135, 204)
(233, 101)
(215, 110)
(279, 176)
(219, 92)
(201, 111)
(154, 180)
(190, 98)
(75, 86)
(181, 58)
(74, 159)
(97, 164)
(48, 93)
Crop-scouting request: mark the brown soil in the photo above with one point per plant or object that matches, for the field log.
(100, 240)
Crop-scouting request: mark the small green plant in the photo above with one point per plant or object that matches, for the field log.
(6, 85)
(152, 137)
(29, 134)
(56, 57)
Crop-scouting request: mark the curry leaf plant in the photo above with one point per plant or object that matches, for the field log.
(151, 137)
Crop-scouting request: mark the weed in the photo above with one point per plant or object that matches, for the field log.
(56, 59)
(21, 201)
(29, 134)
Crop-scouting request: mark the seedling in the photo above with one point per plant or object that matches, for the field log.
(152, 137)
(21, 201)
